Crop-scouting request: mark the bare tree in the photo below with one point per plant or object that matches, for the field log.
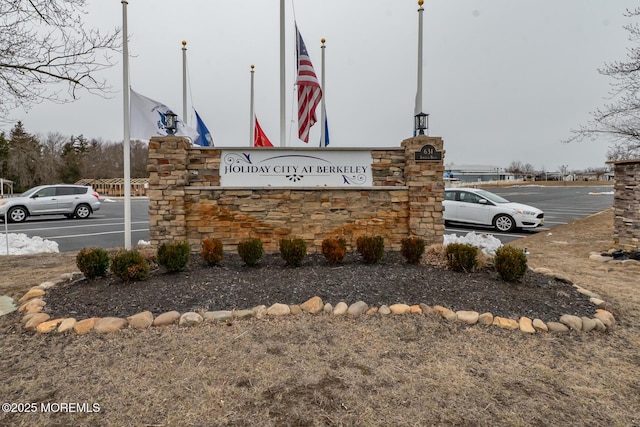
(516, 168)
(44, 42)
(618, 120)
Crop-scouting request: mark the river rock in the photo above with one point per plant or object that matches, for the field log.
(84, 326)
(260, 312)
(340, 309)
(166, 319)
(278, 309)
(400, 309)
(526, 325)
(357, 308)
(48, 326)
(190, 319)
(31, 304)
(468, 317)
(107, 325)
(313, 305)
(485, 319)
(540, 326)
(32, 293)
(35, 320)
(218, 316)
(504, 323)
(242, 314)
(295, 309)
(588, 324)
(572, 322)
(426, 309)
(328, 308)
(67, 324)
(141, 320)
(384, 310)
(557, 327)
(606, 318)
(371, 311)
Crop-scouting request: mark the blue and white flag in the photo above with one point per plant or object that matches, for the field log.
(326, 130)
(148, 118)
(204, 139)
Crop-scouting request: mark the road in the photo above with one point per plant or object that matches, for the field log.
(105, 228)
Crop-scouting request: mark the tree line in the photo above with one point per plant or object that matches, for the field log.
(30, 160)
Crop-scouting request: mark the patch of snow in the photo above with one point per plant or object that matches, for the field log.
(486, 242)
(20, 244)
(108, 200)
(143, 243)
(602, 193)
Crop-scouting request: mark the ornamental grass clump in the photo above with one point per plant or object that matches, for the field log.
(211, 250)
(174, 256)
(93, 262)
(510, 263)
(412, 249)
(334, 249)
(250, 250)
(370, 248)
(293, 251)
(129, 266)
(462, 257)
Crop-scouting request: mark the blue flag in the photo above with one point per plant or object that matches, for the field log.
(326, 130)
(205, 139)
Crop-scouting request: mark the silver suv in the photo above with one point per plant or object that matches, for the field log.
(77, 201)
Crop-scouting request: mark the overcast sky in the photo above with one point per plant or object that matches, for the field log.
(504, 80)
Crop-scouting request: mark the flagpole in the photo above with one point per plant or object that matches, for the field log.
(126, 143)
(418, 107)
(283, 123)
(252, 120)
(184, 81)
(324, 94)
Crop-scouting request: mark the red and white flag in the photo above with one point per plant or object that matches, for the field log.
(259, 137)
(309, 91)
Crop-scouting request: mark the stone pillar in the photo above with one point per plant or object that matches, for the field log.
(424, 175)
(168, 177)
(626, 202)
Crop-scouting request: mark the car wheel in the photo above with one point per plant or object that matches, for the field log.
(82, 211)
(18, 214)
(504, 223)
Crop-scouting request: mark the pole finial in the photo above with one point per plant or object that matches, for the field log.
(323, 40)
(184, 43)
(420, 3)
(252, 67)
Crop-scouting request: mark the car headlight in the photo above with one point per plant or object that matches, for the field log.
(523, 212)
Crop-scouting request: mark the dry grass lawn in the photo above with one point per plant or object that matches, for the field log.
(316, 371)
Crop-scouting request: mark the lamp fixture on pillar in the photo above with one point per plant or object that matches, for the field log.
(171, 122)
(421, 123)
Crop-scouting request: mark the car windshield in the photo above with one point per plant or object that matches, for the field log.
(493, 197)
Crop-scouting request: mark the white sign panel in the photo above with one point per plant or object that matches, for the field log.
(295, 168)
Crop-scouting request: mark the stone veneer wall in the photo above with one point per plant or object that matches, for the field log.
(626, 203)
(186, 201)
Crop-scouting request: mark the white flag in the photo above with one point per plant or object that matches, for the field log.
(148, 119)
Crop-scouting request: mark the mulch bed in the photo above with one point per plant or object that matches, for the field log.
(232, 285)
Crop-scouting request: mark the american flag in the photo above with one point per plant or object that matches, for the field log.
(309, 91)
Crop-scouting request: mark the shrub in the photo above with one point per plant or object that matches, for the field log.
(211, 250)
(129, 266)
(250, 250)
(462, 257)
(334, 250)
(93, 262)
(412, 249)
(510, 263)
(370, 248)
(293, 251)
(174, 256)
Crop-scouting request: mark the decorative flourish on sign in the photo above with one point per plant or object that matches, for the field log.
(294, 177)
(232, 158)
(355, 179)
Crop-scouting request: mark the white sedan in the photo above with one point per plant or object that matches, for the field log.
(475, 206)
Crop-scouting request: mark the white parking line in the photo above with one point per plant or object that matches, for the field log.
(96, 234)
(85, 225)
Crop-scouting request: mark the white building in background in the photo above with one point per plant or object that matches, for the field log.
(476, 173)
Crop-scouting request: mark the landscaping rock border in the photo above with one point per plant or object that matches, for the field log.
(35, 319)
